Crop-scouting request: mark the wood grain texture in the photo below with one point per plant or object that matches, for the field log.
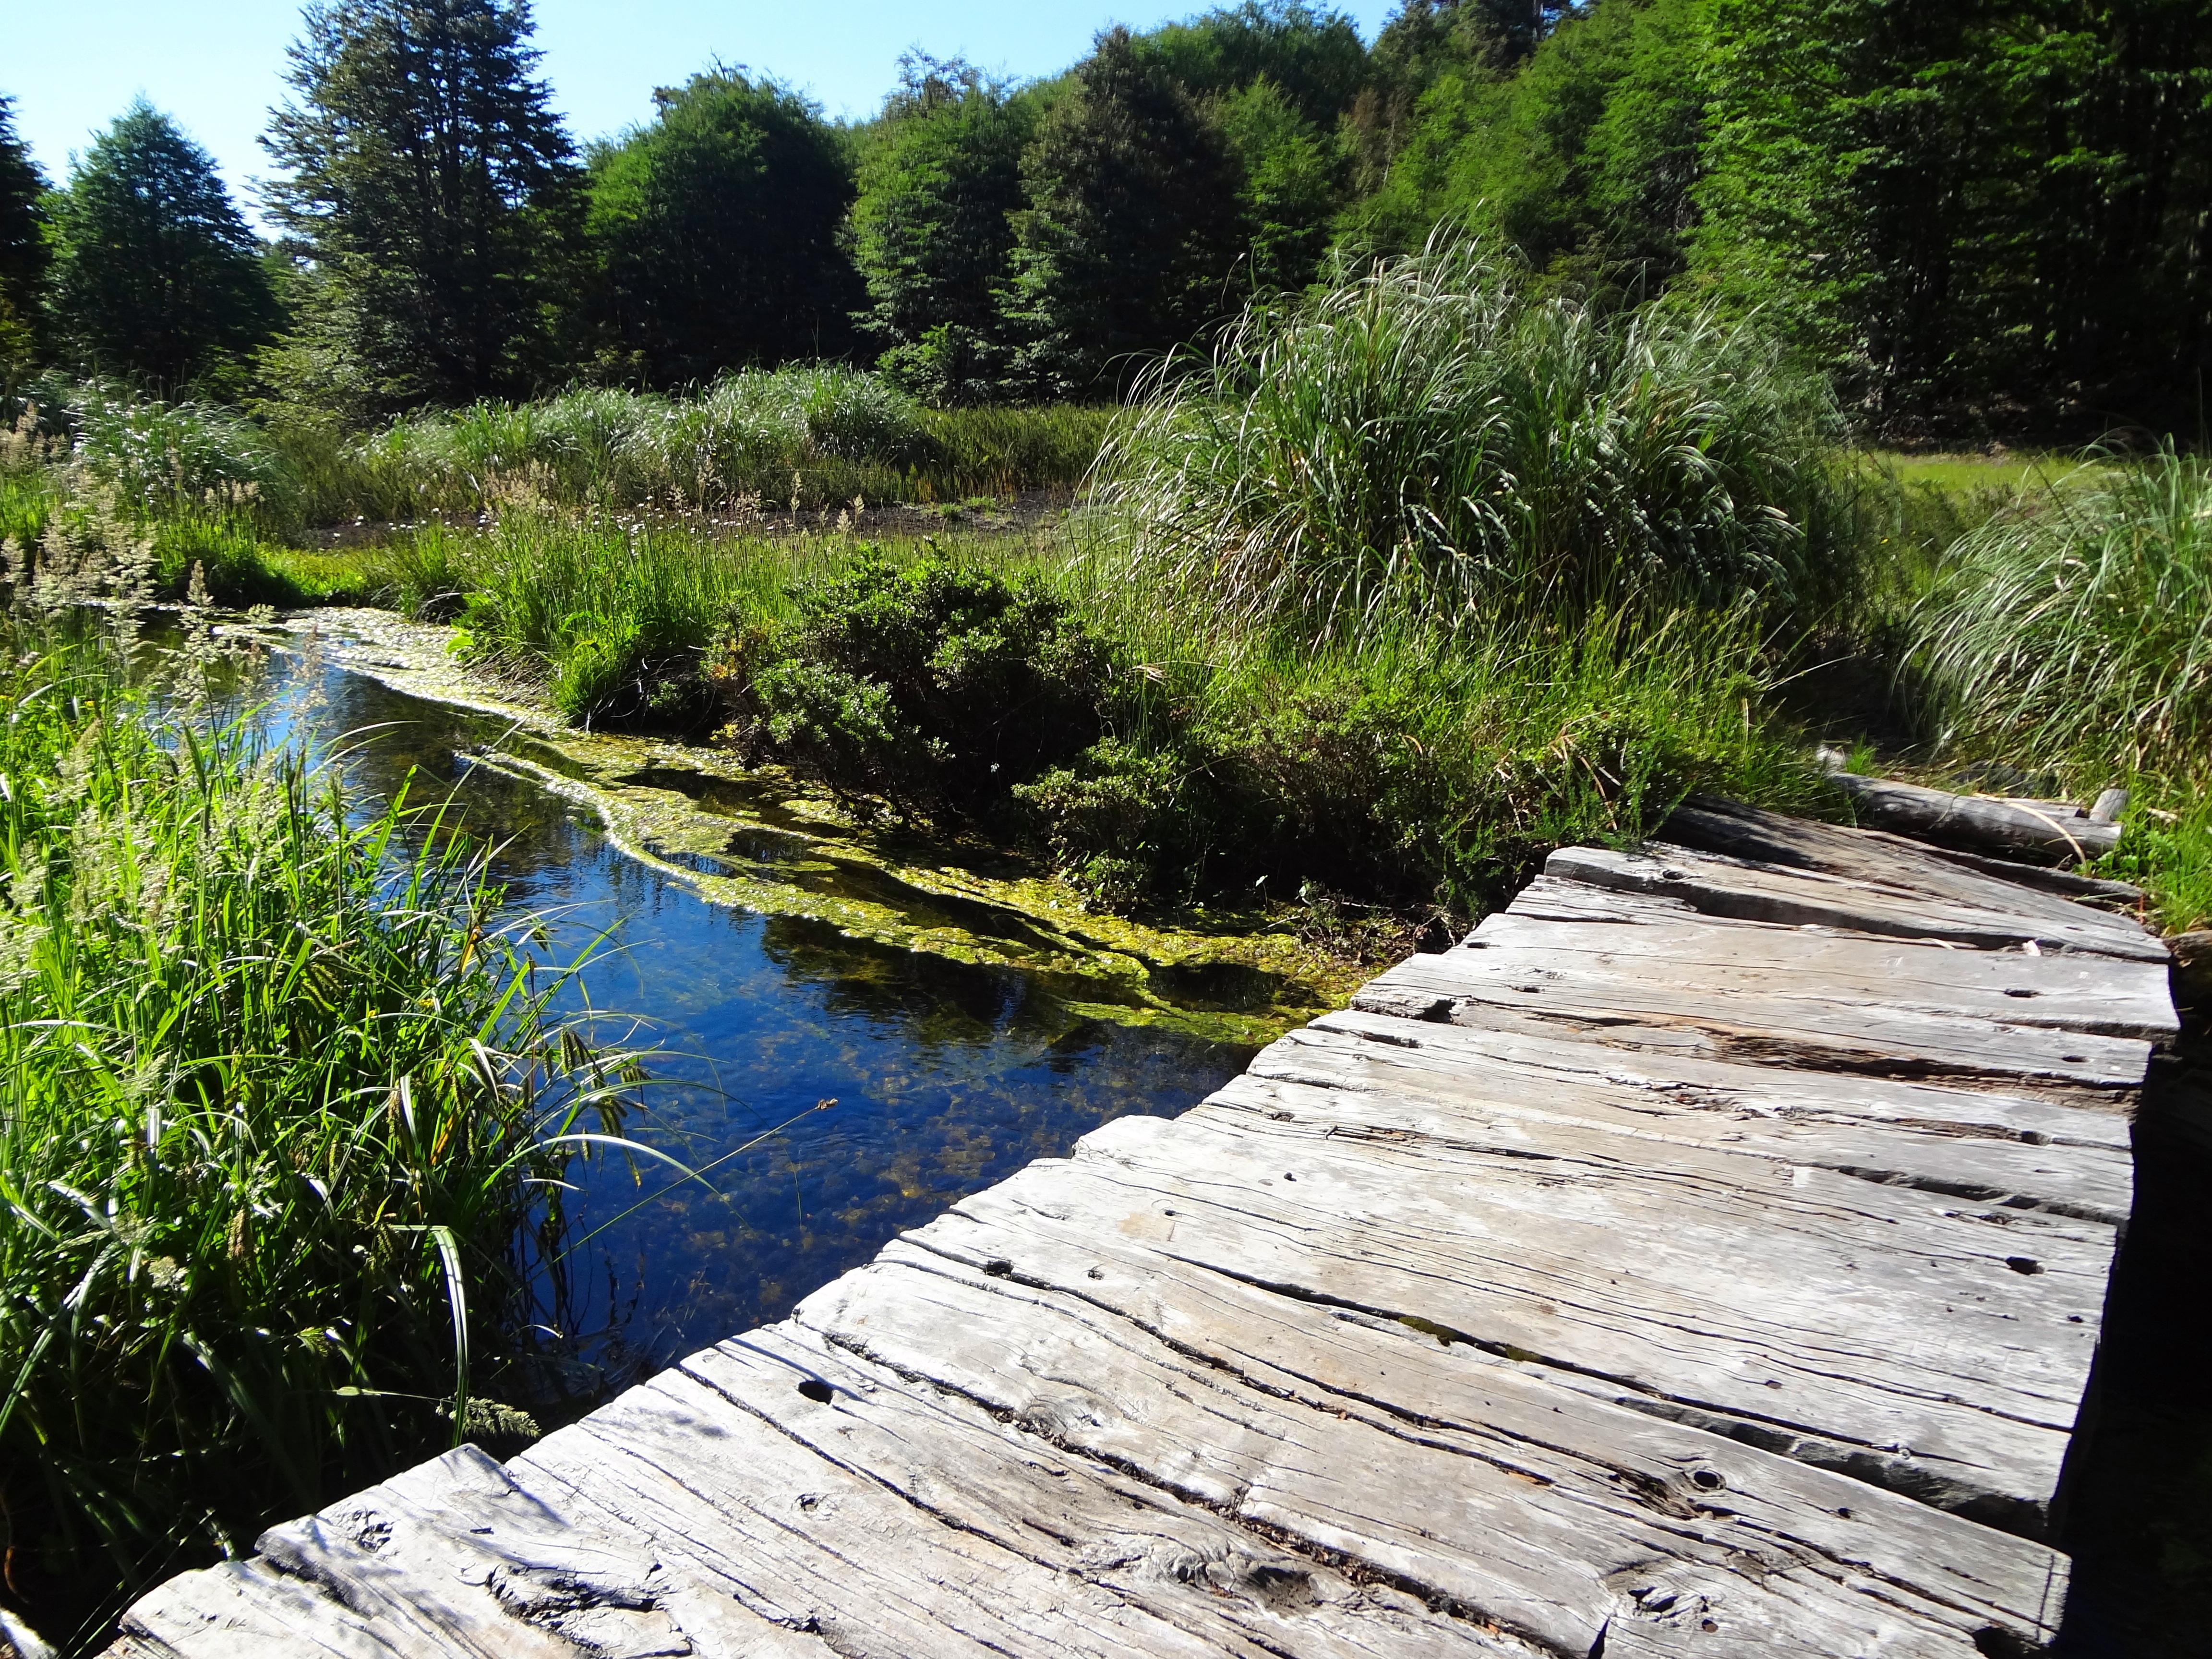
(1712, 824)
(1704, 1257)
(1740, 889)
(2058, 832)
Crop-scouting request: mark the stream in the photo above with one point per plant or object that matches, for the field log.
(947, 1076)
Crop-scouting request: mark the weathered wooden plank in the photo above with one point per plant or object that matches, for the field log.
(456, 1557)
(894, 1521)
(2056, 832)
(245, 1610)
(1891, 1329)
(1468, 1482)
(1742, 1019)
(1398, 1080)
(1710, 823)
(1671, 1080)
(1714, 885)
(1543, 1334)
(2067, 991)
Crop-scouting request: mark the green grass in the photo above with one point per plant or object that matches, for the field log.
(805, 439)
(279, 1102)
(2071, 633)
(1436, 439)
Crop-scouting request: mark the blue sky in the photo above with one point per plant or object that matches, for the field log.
(215, 65)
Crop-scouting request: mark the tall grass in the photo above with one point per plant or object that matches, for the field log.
(610, 614)
(809, 437)
(1433, 437)
(282, 1111)
(2080, 624)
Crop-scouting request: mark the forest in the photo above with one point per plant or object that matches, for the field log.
(1978, 221)
(1244, 499)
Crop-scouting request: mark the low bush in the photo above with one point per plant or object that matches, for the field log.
(935, 687)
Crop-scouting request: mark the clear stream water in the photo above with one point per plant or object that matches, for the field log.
(947, 1077)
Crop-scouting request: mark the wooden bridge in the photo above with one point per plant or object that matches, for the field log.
(1706, 1257)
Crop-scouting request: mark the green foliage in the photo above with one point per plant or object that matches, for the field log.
(1294, 177)
(434, 192)
(2079, 624)
(1314, 58)
(279, 1105)
(1582, 159)
(1117, 821)
(1968, 212)
(1434, 439)
(1125, 250)
(715, 230)
(24, 252)
(935, 687)
(612, 619)
(156, 277)
(933, 228)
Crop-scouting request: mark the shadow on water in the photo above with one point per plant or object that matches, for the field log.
(2137, 1505)
(948, 1077)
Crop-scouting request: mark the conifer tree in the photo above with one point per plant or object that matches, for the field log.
(23, 252)
(155, 275)
(432, 200)
(933, 227)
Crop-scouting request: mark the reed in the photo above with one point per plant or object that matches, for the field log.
(2076, 625)
(284, 1108)
(1432, 436)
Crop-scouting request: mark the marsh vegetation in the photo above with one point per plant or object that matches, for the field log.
(1257, 479)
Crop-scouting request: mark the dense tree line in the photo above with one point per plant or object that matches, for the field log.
(1978, 216)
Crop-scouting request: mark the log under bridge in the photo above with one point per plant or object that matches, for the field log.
(1706, 1257)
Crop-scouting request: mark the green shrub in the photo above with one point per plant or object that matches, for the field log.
(934, 686)
(1434, 437)
(1118, 822)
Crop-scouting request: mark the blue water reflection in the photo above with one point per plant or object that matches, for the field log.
(947, 1077)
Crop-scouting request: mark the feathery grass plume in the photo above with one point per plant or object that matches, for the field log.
(1432, 436)
(281, 1103)
(2076, 628)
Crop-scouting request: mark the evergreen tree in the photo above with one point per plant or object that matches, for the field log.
(155, 275)
(432, 202)
(1292, 177)
(23, 252)
(1585, 157)
(1125, 249)
(933, 227)
(717, 229)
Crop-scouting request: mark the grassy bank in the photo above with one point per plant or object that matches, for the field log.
(814, 439)
(279, 1103)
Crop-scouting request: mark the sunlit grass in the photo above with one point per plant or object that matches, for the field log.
(283, 1108)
